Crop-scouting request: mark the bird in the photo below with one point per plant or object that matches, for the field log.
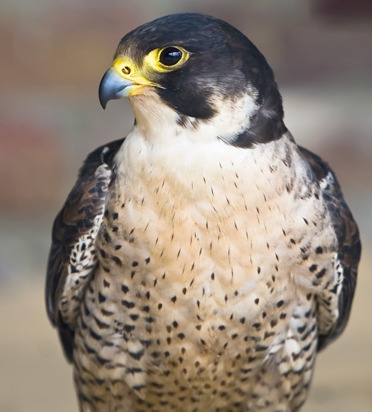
(201, 262)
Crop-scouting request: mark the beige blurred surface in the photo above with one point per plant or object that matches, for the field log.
(53, 56)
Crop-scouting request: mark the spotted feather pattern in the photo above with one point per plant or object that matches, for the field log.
(334, 304)
(72, 256)
(106, 314)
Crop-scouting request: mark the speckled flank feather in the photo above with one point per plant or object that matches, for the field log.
(335, 303)
(72, 256)
(200, 263)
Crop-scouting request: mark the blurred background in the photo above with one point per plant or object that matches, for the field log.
(53, 55)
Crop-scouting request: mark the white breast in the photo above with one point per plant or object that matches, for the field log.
(207, 207)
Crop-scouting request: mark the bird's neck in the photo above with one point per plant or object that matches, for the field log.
(157, 122)
(193, 170)
(185, 152)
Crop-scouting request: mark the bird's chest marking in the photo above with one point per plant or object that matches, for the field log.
(200, 274)
(155, 234)
(196, 274)
(217, 237)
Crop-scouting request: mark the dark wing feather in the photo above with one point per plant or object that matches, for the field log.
(349, 247)
(72, 255)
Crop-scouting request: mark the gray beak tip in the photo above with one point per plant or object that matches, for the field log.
(112, 86)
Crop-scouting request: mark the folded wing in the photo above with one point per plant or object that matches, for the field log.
(72, 256)
(334, 304)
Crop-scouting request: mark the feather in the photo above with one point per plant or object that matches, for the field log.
(72, 256)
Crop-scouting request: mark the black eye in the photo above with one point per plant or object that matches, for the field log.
(170, 56)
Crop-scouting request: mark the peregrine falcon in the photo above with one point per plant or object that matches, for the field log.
(200, 263)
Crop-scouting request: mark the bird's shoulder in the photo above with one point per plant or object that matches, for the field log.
(72, 256)
(348, 251)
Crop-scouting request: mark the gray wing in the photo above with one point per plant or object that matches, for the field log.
(332, 320)
(72, 256)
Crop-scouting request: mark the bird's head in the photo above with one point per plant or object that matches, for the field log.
(201, 69)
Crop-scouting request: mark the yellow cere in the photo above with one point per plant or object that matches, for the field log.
(140, 74)
(127, 68)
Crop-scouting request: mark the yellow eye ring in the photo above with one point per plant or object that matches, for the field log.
(167, 58)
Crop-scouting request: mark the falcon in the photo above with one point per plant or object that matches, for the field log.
(200, 263)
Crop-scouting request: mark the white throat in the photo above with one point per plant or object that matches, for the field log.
(194, 161)
(156, 121)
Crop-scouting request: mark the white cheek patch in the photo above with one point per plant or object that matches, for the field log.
(158, 122)
(233, 115)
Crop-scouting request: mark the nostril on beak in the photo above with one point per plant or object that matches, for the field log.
(126, 70)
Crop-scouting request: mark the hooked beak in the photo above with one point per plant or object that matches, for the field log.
(123, 79)
(114, 86)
